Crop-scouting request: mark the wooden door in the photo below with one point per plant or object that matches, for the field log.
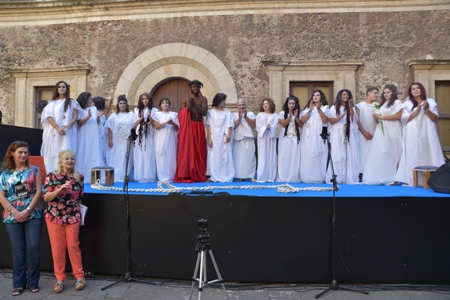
(175, 90)
(443, 123)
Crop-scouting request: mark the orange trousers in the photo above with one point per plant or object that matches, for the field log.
(62, 237)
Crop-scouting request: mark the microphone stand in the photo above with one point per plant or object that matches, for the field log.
(128, 276)
(334, 283)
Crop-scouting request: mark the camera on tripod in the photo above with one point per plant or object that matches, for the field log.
(202, 225)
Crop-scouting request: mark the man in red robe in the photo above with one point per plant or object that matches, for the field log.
(191, 158)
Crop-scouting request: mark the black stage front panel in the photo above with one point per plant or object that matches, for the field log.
(266, 239)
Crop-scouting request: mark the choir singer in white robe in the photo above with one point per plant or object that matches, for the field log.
(59, 119)
(366, 126)
(219, 126)
(421, 146)
(244, 156)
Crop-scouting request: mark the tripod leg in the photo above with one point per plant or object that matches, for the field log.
(202, 270)
(195, 274)
(219, 276)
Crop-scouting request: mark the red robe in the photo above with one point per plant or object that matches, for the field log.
(191, 158)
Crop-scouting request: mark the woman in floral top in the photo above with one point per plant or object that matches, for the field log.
(63, 192)
(20, 195)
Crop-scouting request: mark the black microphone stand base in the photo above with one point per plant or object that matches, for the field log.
(129, 276)
(335, 286)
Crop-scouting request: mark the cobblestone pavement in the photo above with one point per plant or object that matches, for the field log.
(172, 290)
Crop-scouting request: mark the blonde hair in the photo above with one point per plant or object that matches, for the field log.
(61, 155)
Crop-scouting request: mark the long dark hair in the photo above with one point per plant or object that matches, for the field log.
(8, 161)
(56, 94)
(99, 102)
(141, 104)
(83, 98)
(323, 99)
(338, 104)
(121, 98)
(286, 113)
(423, 93)
(394, 95)
(218, 98)
(338, 101)
(144, 125)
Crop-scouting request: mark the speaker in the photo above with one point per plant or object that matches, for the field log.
(440, 180)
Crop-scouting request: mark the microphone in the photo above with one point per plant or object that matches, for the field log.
(324, 133)
(133, 135)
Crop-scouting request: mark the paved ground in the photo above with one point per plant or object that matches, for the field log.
(172, 290)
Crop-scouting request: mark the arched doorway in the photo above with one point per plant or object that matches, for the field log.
(175, 61)
(175, 89)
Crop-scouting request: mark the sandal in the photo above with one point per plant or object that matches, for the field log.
(80, 284)
(58, 287)
(17, 292)
(34, 290)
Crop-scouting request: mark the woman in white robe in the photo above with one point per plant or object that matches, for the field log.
(266, 126)
(344, 139)
(314, 149)
(421, 145)
(386, 147)
(119, 126)
(59, 119)
(219, 126)
(166, 140)
(144, 146)
(103, 106)
(89, 149)
(289, 141)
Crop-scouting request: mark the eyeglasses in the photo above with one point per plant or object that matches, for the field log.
(21, 143)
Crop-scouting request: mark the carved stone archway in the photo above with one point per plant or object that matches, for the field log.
(175, 60)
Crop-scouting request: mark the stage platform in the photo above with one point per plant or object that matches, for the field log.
(256, 189)
(386, 234)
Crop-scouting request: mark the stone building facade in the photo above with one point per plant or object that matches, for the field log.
(246, 49)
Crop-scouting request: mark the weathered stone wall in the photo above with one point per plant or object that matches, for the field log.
(385, 42)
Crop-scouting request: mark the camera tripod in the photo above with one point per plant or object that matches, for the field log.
(202, 280)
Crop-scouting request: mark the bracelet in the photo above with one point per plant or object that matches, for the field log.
(8, 209)
(29, 208)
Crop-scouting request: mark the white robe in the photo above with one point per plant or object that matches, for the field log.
(103, 134)
(288, 152)
(314, 150)
(369, 124)
(345, 155)
(267, 141)
(89, 145)
(244, 156)
(144, 150)
(220, 158)
(421, 145)
(385, 149)
(120, 125)
(52, 142)
(166, 141)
